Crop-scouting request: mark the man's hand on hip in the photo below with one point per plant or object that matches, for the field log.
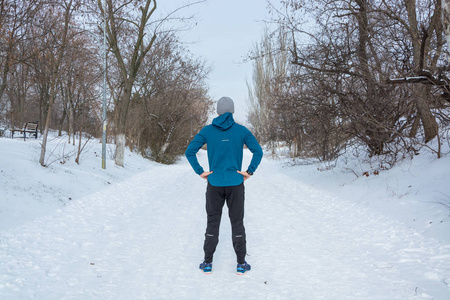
(205, 175)
(245, 174)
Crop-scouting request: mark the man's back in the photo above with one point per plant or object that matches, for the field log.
(225, 140)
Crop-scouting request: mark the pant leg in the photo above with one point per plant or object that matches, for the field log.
(235, 202)
(215, 199)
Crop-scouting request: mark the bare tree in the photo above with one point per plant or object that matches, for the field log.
(170, 103)
(49, 71)
(131, 28)
(61, 38)
(340, 63)
(18, 88)
(129, 21)
(270, 69)
(15, 19)
(446, 19)
(81, 75)
(15, 22)
(420, 30)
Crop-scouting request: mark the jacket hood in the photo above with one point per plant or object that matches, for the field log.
(224, 121)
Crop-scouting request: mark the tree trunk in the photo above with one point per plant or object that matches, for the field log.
(128, 73)
(121, 126)
(414, 127)
(77, 160)
(446, 20)
(120, 149)
(55, 74)
(61, 122)
(47, 125)
(7, 66)
(429, 123)
(71, 127)
(21, 106)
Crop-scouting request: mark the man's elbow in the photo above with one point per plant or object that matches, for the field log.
(189, 152)
(259, 151)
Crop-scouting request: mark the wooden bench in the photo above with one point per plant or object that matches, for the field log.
(29, 127)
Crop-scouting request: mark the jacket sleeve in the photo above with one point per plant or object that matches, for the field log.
(255, 148)
(191, 152)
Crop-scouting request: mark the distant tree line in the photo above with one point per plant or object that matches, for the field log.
(335, 73)
(51, 71)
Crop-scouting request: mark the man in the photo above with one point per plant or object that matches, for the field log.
(225, 142)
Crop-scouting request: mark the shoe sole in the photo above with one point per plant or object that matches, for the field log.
(240, 274)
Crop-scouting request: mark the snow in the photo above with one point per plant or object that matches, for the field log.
(73, 231)
(408, 78)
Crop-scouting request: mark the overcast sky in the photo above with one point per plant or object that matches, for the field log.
(225, 31)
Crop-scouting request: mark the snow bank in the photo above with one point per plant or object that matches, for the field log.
(29, 191)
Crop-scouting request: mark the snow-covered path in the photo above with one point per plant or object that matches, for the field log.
(142, 239)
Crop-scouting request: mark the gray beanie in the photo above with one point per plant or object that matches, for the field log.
(225, 105)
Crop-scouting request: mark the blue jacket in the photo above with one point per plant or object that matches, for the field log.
(225, 141)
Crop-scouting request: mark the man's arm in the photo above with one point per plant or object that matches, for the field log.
(255, 148)
(191, 153)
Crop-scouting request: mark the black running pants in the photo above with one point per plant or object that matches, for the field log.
(215, 199)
